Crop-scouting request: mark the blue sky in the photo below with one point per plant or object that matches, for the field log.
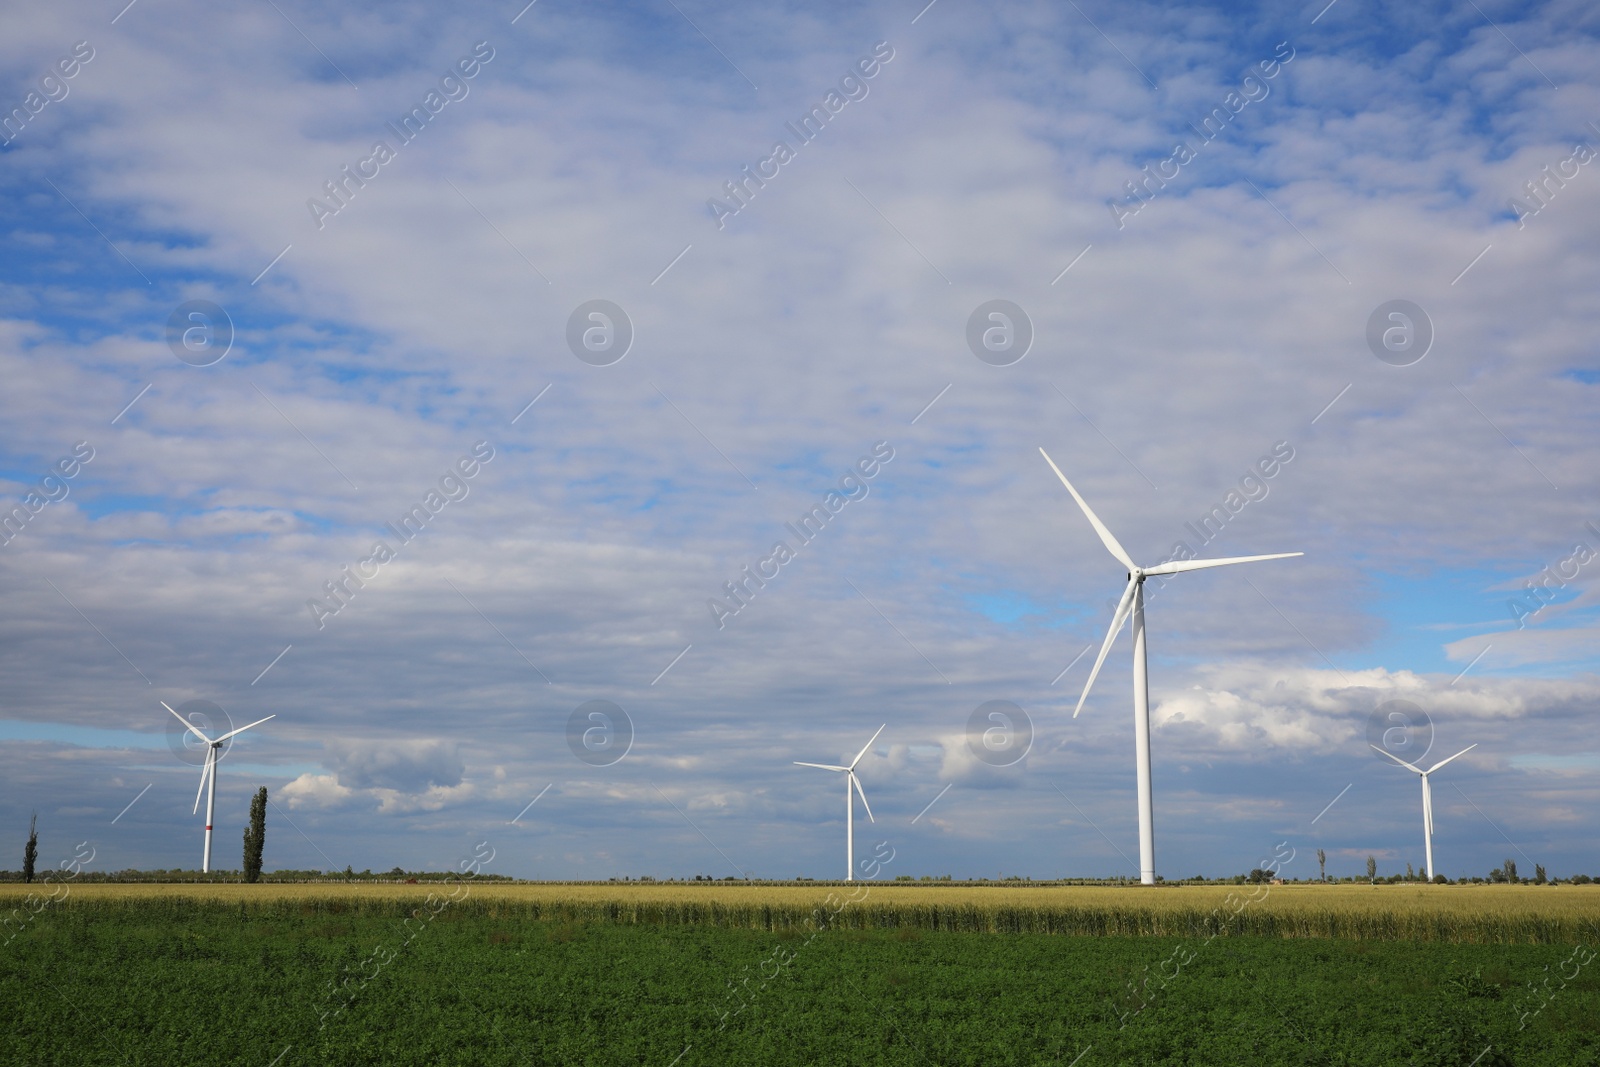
(1369, 155)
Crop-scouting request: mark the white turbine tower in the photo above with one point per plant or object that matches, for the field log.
(850, 780)
(1132, 603)
(1427, 798)
(213, 754)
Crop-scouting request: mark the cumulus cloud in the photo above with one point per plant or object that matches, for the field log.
(317, 791)
(325, 792)
(394, 777)
(960, 764)
(405, 766)
(1262, 710)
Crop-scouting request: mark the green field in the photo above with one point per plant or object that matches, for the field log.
(373, 977)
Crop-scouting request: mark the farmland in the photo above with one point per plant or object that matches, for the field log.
(1467, 914)
(387, 974)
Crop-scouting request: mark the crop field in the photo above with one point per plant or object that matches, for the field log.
(676, 974)
(1493, 914)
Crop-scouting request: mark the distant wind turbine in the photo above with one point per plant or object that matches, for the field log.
(213, 754)
(1132, 603)
(1427, 798)
(850, 780)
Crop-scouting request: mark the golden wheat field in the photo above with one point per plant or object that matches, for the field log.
(1479, 914)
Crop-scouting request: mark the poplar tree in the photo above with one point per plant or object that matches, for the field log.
(30, 853)
(255, 836)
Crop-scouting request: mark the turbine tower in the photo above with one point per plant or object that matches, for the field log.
(1132, 603)
(850, 780)
(1427, 798)
(213, 754)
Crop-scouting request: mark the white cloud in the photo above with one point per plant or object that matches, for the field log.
(317, 791)
(1265, 711)
(393, 777)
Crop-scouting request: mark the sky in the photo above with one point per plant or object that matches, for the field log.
(607, 298)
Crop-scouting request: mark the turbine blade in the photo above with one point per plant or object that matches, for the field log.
(1123, 607)
(203, 776)
(866, 746)
(1397, 759)
(1427, 804)
(187, 723)
(863, 795)
(1094, 520)
(824, 766)
(1180, 565)
(242, 729)
(1442, 762)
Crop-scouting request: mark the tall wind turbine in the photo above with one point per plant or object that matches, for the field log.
(1132, 603)
(850, 780)
(1427, 798)
(213, 754)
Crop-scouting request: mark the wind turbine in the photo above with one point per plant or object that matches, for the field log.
(1132, 603)
(213, 754)
(850, 780)
(1427, 798)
